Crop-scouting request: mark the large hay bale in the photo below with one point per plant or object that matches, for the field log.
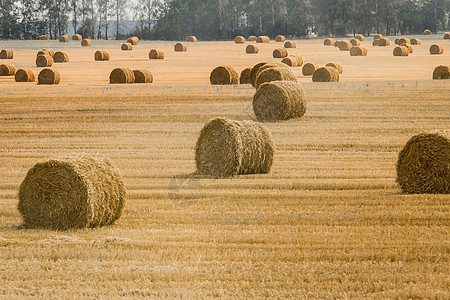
(6, 54)
(156, 54)
(377, 36)
(86, 43)
(326, 74)
(224, 75)
(252, 38)
(423, 164)
(427, 32)
(143, 76)
(345, 45)
(134, 40)
(335, 65)
(415, 41)
(239, 39)
(404, 41)
(255, 71)
(358, 51)
(447, 36)
(180, 47)
(436, 49)
(60, 57)
(7, 70)
(309, 69)
(191, 39)
(272, 64)
(49, 76)
(400, 51)
(77, 37)
(43, 37)
(279, 100)
(126, 47)
(328, 42)
(25, 75)
(290, 44)
(410, 48)
(64, 39)
(355, 42)
(101, 55)
(121, 75)
(48, 52)
(280, 53)
(359, 37)
(263, 39)
(71, 192)
(441, 72)
(43, 61)
(280, 38)
(245, 76)
(274, 74)
(383, 42)
(251, 49)
(376, 43)
(227, 148)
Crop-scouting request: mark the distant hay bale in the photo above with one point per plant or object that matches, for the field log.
(44, 61)
(335, 65)
(239, 39)
(410, 48)
(358, 51)
(299, 59)
(280, 53)
(326, 74)
(336, 43)
(291, 61)
(126, 47)
(279, 100)
(423, 165)
(328, 42)
(60, 57)
(180, 47)
(415, 41)
(245, 76)
(290, 44)
(309, 68)
(86, 43)
(75, 191)
(64, 39)
(436, 49)
(191, 39)
(441, 72)
(345, 45)
(143, 76)
(355, 42)
(6, 54)
(447, 36)
(226, 148)
(101, 55)
(427, 32)
(49, 76)
(254, 72)
(359, 37)
(121, 75)
(377, 36)
(224, 75)
(404, 41)
(376, 43)
(280, 38)
(77, 37)
(134, 40)
(401, 51)
(252, 38)
(263, 39)
(48, 52)
(251, 49)
(7, 70)
(156, 54)
(43, 37)
(384, 42)
(25, 75)
(397, 41)
(274, 74)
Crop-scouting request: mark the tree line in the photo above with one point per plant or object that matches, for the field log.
(220, 19)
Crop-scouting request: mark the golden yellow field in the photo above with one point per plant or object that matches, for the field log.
(328, 221)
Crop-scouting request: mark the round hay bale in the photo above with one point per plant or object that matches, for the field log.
(410, 48)
(156, 54)
(358, 51)
(25, 75)
(326, 74)
(291, 61)
(60, 57)
(359, 37)
(423, 165)
(226, 148)
(180, 47)
(142, 76)
(397, 41)
(309, 69)
(384, 42)
(255, 71)
(436, 49)
(376, 43)
(134, 40)
(273, 64)
(279, 100)
(77, 37)
(404, 41)
(335, 65)
(86, 43)
(447, 36)
(49, 76)
(336, 43)
(43, 37)
(415, 41)
(441, 72)
(355, 42)
(401, 51)
(121, 75)
(290, 44)
(377, 36)
(427, 32)
(72, 192)
(345, 45)
(245, 76)
(263, 39)
(274, 74)
(64, 39)
(48, 52)
(252, 38)
(101, 55)
(7, 70)
(191, 39)
(44, 61)
(299, 59)
(280, 53)
(6, 54)
(251, 49)
(239, 39)
(126, 47)
(280, 38)
(328, 42)
(224, 75)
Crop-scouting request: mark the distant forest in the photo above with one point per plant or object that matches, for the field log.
(219, 19)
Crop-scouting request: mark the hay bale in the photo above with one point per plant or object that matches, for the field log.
(239, 39)
(415, 41)
(263, 39)
(76, 191)
(436, 49)
(280, 38)
(64, 39)
(377, 36)
(180, 47)
(224, 75)
(376, 43)
(25, 75)
(326, 74)
(254, 72)
(345, 45)
(252, 38)
(441, 72)
(86, 43)
(336, 43)
(309, 69)
(49, 76)
(134, 40)
(245, 76)
(43, 37)
(251, 49)
(6, 54)
(101, 55)
(383, 42)
(335, 65)
(358, 51)
(423, 165)
(427, 32)
(279, 100)
(7, 70)
(274, 74)
(329, 42)
(447, 36)
(404, 41)
(227, 148)
(60, 57)
(401, 51)
(355, 42)
(291, 61)
(359, 37)
(397, 41)
(410, 48)
(280, 53)
(44, 61)
(142, 76)
(273, 64)
(156, 54)
(290, 44)
(126, 47)
(191, 39)
(77, 37)
(48, 52)
(121, 75)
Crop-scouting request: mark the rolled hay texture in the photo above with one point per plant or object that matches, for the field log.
(280, 53)
(376, 43)
(49, 76)
(326, 74)
(279, 100)
(309, 68)
(48, 52)
(77, 37)
(224, 75)
(280, 38)
(423, 165)
(60, 57)
(121, 75)
(142, 76)
(126, 47)
(254, 72)
(25, 75)
(44, 61)
(43, 37)
(156, 54)
(64, 39)
(447, 36)
(101, 55)
(245, 76)
(263, 39)
(359, 37)
(335, 65)
(355, 42)
(180, 47)
(134, 40)
(226, 148)
(291, 61)
(345, 45)
(6, 54)
(410, 48)
(377, 36)
(7, 70)
(415, 41)
(436, 49)
(86, 43)
(404, 41)
(401, 51)
(252, 38)
(251, 49)
(290, 44)
(383, 42)
(441, 72)
(274, 74)
(328, 42)
(358, 51)
(427, 32)
(336, 43)
(191, 39)
(239, 39)
(71, 192)
(397, 41)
